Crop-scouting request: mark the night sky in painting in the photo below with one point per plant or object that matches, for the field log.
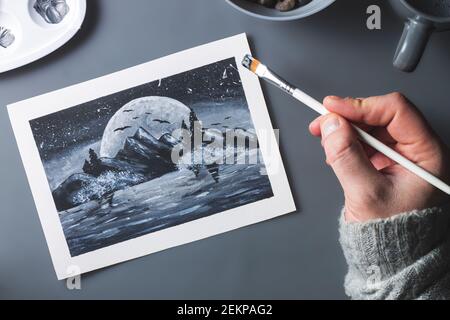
(217, 82)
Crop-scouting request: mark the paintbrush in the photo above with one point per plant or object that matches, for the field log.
(265, 73)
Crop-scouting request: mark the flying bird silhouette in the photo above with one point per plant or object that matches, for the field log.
(127, 111)
(216, 124)
(161, 121)
(149, 113)
(135, 118)
(227, 118)
(122, 129)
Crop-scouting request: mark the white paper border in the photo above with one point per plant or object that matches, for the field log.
(22, 112)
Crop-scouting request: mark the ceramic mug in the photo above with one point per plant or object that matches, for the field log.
(423, 18)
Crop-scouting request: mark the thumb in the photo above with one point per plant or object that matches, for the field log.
(346, 155)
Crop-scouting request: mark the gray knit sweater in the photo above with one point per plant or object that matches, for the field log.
(404, 257)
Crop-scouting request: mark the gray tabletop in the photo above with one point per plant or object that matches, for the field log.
(296, 256)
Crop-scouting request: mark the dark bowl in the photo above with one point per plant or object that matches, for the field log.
(259, 11)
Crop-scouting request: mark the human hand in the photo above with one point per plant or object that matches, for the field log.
(375, 186)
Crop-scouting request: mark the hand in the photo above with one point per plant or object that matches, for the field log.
(374, 186)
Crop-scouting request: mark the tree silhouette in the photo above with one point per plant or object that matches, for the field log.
(94, 166)
(94, 158)
(192, 120)
(87, 168)
(184, 126)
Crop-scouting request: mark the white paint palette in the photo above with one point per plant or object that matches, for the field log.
(34, 36)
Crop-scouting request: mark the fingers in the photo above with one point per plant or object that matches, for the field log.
(347, 157)
(378, 160)
(314, 127)
(402, 120)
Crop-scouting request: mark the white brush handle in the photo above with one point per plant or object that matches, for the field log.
(377, 145)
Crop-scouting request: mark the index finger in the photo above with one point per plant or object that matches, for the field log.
(393, 111)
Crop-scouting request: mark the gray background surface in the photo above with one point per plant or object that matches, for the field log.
(296, 256)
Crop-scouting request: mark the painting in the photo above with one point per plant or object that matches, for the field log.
(109, 161)
(177, 153)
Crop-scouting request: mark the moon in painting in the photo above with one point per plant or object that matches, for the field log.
(157, 115)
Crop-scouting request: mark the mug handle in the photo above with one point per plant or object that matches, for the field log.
(412, 45)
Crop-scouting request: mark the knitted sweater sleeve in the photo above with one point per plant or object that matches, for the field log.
(404, 257)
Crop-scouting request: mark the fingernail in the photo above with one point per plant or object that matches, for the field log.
(314, 122)
(332, 99)
(329, 126)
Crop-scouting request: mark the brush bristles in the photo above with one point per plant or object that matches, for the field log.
(255, 64)
(250, 63)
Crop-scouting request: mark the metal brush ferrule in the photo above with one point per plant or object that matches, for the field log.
(278, 81)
